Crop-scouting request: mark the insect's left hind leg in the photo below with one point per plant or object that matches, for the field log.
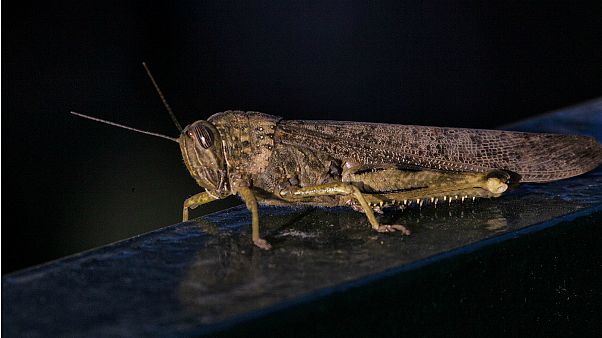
(433, 185)
(341, 188)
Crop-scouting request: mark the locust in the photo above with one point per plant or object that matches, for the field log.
(370, 167)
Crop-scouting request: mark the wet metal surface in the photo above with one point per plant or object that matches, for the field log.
(200, 276)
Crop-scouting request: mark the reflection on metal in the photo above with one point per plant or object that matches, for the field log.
(320, 248)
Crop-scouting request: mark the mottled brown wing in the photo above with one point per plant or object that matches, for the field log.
(535, 157)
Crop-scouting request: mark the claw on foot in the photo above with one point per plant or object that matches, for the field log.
(262, 244)
(393, 228)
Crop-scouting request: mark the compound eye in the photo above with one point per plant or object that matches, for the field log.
(204, 136)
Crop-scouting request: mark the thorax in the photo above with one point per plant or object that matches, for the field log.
(248, 142)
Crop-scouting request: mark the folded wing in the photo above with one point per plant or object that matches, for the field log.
(535, 157)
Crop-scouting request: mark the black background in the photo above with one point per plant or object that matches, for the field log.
(69, 184)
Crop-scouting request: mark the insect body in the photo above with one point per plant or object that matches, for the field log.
(368, 166)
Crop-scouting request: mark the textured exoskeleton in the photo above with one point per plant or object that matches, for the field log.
(368, 166)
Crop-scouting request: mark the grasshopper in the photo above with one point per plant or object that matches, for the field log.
(370, 167)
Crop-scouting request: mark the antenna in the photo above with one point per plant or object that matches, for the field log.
(125, 127)
(173, 117)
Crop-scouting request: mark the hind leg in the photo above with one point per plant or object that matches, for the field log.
(385, 188)
(341, 188)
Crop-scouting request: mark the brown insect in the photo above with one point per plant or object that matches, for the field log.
(367, 166)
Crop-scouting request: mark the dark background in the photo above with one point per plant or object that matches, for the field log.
(69, 184)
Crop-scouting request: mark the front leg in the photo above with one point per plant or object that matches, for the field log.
(194, 201)
(341, 188)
